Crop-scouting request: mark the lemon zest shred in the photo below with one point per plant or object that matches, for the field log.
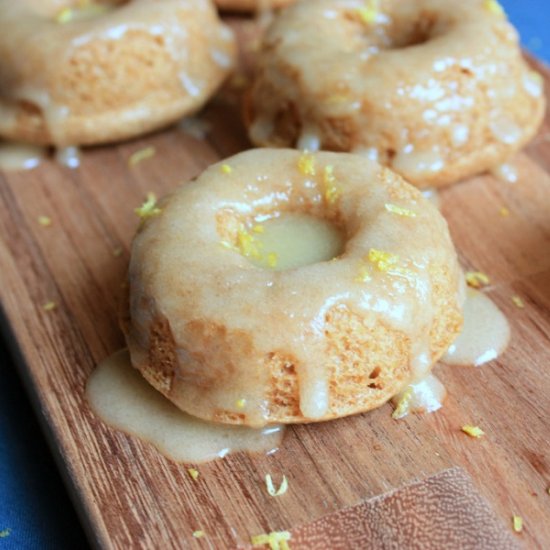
(504, 212)
(518, 302)
(306, 164)
(44, 221)
(149, 208)
(141, 155)
(49, 306)
(276, 540)
(240, 403)
(517, 523)
(226, 169)
(383, 261)
(399, 210)
(247, 245)
(258, 229)
(271, 488)
(332, 189)
(494, 7)
(193, 473)
(364, 275)
(272, 259)
(198, 534)
(85, 9)
(473, 431)
(477, 279)
(404, 404)
(5, 533)
(369, 12)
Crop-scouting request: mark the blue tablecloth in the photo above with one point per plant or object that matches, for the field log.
(35, 511)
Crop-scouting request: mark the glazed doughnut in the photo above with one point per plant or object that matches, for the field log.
(83, 74)
(435, 89)
(232, 342)
(251, 5)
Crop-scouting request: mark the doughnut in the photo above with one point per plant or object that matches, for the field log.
(230, 341)
(85, 73)
(250, 5)
(437, 90)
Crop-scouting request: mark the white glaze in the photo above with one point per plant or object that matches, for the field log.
(424, 396)
(123, 399)
(296, 240)
(485, 333)
(505, 130)
(433, 196)
(506, 172)
(414, 164)
(68, 156)
(194, 127)
(20, 156)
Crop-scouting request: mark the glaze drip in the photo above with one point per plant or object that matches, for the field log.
(123, 399)
(485, 333)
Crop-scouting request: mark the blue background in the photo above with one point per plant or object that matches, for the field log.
(34, 505)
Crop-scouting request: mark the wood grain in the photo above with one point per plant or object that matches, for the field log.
(130, 496)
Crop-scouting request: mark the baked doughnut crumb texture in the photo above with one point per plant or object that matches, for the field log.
(134, 67)
(230, 342)
(435, 89)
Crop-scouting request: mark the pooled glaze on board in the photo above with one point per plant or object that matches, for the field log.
(120, 396)
(20, 156)
(485, 333)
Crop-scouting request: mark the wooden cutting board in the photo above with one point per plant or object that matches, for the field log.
(131, 496)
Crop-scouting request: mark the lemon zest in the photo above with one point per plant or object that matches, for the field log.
(276, 540)
(517, 523)
(364, 274)
(198, 534)
(369, 12)
(226, 169)
(49, 306)
(272, 259)
(247, 245)
(5, 533)
(494, 7)
(84, 10)
(271, 488)
(141, 155)
(477, 279)
(306, 164)
(332, 189)
(149, 208)
(384, 261)
(404, 404)
(504, 212)
(258, 229)
(44, 221)
(399, 210)
(473, 431)
(193, 473)
(241, 403)
(518, 302)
